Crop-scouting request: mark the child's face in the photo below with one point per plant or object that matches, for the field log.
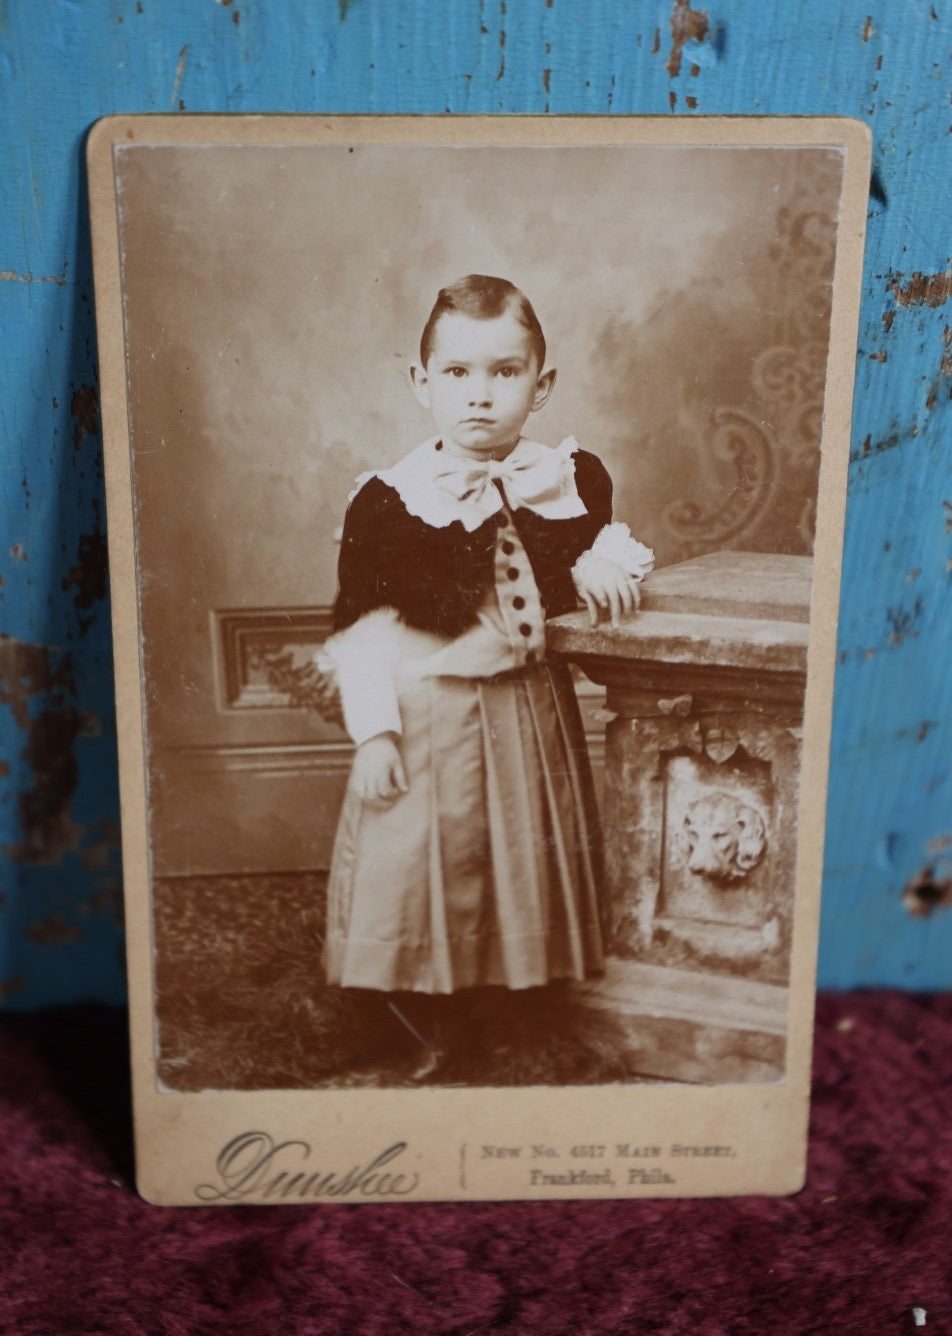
(481, 382)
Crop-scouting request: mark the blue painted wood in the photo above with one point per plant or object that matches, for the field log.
(65, 63)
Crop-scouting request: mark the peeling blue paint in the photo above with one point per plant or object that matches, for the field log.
(63, 65)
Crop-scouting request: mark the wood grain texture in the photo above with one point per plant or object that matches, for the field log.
(63, 64)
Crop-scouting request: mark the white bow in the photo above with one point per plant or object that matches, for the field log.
(441, 488)
(537, 479)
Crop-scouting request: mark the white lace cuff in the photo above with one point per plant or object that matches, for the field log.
(365, 656)
(615, 543)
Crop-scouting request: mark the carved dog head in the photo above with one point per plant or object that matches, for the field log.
(722, 837)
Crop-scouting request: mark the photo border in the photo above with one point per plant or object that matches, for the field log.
(281, 1146)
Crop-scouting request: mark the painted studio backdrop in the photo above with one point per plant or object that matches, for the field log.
(274, 298)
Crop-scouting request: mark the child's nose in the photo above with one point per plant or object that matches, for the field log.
(479, 390)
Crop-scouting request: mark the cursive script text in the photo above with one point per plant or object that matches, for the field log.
(253, 1164)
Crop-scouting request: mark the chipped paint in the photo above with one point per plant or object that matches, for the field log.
(26, 671)
(54, 930)
(502, 40)
(88, 575)
(687, 25)
(27, 674)
(924, 893)
(175, 100)
(102, 852)
(107, 900)
(922, 289)
(903, 622)
(897, 437)
(48, 831)
(8, 276)
(84, 407)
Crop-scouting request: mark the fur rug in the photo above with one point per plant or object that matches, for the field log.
(864, 1248)
(242, 1005)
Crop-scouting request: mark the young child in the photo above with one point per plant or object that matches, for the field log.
(467, 852)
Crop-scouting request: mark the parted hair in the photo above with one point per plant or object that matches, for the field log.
(483, 297)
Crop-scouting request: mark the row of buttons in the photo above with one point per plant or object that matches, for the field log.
(513, 573)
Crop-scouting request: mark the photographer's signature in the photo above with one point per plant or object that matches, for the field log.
(254, 1165)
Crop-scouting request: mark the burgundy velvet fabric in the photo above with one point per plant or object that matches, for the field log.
(867, 1242)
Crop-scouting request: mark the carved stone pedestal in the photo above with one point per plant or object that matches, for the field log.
(705, 694)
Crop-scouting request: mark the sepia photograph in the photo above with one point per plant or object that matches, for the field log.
(472, 487)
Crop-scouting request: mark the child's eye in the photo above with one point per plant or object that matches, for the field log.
(507, 372)
(457, 371)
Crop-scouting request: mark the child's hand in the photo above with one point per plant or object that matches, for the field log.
(604, 586)
(378, 776)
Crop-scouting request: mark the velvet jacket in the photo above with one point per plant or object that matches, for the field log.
(435, 578)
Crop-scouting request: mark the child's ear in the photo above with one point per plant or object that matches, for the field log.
(544, 386)
(421, 386)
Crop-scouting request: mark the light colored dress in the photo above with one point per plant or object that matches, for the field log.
(487, 871)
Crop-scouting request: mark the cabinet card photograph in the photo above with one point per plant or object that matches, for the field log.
(475, 496)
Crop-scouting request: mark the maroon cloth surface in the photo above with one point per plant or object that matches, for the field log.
(865, 1243)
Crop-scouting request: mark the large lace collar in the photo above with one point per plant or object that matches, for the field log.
(439, 487)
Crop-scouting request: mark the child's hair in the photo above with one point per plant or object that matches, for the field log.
(483, 297)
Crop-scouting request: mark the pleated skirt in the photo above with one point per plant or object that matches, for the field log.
(488, 870)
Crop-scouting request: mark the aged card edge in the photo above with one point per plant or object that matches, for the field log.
(175, 1130)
